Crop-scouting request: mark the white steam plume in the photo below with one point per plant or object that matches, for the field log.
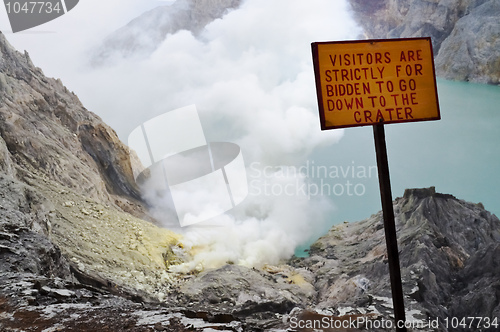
(250, 75)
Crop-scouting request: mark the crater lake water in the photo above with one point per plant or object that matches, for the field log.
(459, 155)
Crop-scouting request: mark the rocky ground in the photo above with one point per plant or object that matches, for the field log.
(449, 259)
(441, 241)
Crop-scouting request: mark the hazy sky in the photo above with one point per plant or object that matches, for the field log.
(75, 32)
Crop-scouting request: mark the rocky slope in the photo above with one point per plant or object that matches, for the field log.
(448, 254)
(465, 33)
(69, 205)
(144, 34)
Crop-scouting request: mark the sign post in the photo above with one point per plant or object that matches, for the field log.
(389, 224)
(377, 82)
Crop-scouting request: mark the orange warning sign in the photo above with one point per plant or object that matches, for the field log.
(367, 82)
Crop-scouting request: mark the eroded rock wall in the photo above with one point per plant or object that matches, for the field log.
(448, 254)
(465, 33)
(45, 130)
(68, 199)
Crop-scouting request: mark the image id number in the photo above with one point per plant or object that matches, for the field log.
(32, 7)
(471, 322)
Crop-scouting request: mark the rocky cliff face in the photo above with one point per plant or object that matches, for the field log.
(447, 252)
(145, 33)
(472, 50)
(48, 133)
(465, 33)
(69, 205)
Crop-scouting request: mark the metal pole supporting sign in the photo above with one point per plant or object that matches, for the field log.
(372, 83)
(389, 226)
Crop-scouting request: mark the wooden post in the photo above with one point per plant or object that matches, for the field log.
(389, 226)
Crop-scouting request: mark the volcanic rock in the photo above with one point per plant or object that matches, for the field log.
(69, 205)
(448, 254)
(464, 32)
(472, 50)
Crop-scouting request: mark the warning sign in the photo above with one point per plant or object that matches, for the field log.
(367, 82)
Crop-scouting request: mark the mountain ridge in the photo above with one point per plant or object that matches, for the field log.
(142, 35)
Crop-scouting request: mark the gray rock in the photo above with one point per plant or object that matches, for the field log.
(6, 166)
(472, 51)
(256, 297)
(464, 32)
(45, 131)
(409, 18)
(24, 243)
(448, 253)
